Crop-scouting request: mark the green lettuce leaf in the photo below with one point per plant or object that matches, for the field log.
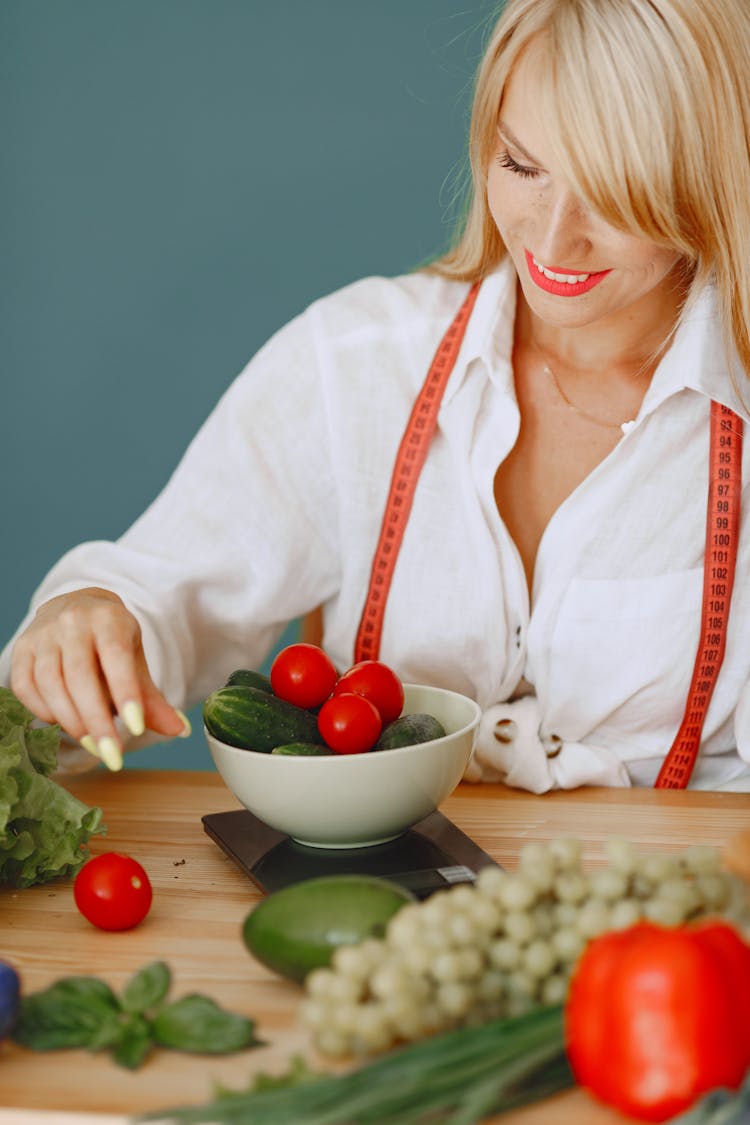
(43, 828)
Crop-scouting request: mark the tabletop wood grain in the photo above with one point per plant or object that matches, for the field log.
(201, 899)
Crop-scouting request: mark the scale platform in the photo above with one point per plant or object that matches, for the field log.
(432, 855)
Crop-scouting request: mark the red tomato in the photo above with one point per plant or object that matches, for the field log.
(113, 892)
(349, 723)
(376, 682)
(303, 674)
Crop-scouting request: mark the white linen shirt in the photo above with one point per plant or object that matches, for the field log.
(277, 504)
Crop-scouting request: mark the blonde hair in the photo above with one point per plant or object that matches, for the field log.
(648, 105)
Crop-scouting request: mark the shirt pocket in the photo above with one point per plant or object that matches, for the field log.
(622, 652)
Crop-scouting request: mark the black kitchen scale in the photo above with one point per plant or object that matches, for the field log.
(431, 855)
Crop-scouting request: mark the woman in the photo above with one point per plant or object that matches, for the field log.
(553, 558)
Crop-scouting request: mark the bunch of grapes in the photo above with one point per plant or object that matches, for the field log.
(505, 944)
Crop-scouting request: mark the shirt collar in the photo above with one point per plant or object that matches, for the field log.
(489, 333)
(697, 358)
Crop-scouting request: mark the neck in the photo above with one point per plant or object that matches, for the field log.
(630, 342)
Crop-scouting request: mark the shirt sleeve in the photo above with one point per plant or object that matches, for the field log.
(243, 538)
(510, 749)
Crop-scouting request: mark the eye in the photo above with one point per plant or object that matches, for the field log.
(506, 161)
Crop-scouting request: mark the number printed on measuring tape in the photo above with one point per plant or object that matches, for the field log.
(408, 465)
(722, 535)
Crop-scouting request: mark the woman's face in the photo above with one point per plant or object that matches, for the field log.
(575, 269)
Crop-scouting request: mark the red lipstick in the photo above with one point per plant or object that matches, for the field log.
(563, 288)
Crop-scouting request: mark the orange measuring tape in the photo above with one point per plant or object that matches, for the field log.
(720, 558)
(719, 565)
(408, 465)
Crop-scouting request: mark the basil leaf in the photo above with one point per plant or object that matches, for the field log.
(195, 1023)
(74, 1012)
(108, 1034)
(147, 988)
(135, 1043)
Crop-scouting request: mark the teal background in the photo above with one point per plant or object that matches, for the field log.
(180, 177)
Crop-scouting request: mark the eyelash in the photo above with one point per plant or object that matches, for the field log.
(506, 161)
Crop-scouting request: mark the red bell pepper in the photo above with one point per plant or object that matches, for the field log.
(657, 1016)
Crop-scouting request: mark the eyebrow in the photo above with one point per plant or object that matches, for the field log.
(509, 136)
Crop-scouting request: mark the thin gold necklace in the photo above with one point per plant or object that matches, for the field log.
(624, 427)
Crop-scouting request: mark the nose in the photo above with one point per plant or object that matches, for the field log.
(562, 228)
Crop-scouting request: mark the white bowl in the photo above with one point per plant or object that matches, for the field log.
(354, 800)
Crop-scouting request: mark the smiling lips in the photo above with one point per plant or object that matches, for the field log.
(563, 283)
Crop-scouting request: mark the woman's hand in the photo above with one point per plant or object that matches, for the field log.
(81, 662)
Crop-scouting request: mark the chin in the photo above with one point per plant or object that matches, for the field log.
(561, 312)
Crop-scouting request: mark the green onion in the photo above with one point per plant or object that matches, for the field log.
(456, 1078)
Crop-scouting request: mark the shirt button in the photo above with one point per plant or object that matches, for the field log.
(552, 745)
(518, 636)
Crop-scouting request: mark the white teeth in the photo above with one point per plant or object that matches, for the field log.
(566, 278)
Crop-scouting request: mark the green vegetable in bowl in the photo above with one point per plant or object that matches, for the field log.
(253, 719)
(246, 677)
(410, 730)
(302, 750)
(43, 828)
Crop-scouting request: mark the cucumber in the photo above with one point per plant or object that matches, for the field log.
(409, 730)
(303, 750)
(298, 928)
(252, 719)
(248, 678)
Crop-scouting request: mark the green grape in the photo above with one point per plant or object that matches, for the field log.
(509, 941)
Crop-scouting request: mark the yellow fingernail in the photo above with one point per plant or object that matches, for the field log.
(89, 743)
(131, 714)
(110, 753)
(187, 729)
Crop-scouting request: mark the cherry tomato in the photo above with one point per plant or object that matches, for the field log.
(349, 723)
(303, 674)
(113, 892)
(376, 682)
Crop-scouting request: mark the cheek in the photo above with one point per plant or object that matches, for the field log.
(662, 263)
(645, 260)
(652, 270)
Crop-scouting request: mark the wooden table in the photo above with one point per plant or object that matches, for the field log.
(200, 901)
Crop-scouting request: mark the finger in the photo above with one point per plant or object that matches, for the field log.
(118, 645)
(135, 696)
(89, 744)
(53, 691)
(58, 675)
(160, 715)
(24, 687)
(91, 697)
